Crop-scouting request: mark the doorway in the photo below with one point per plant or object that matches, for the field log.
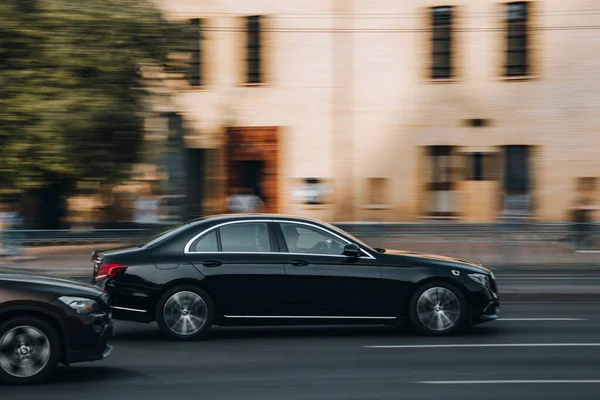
(250, 175)
(252, 163)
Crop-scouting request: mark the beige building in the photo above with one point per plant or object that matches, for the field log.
(402, 110)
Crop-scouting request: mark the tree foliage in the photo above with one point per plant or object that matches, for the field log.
(72, 88)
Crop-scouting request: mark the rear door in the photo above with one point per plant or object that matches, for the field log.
(241, 267)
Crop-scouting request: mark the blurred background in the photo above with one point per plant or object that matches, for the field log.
(129, 114)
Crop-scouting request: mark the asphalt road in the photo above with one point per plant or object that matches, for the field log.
(518, 357)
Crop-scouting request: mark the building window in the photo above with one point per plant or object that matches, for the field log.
(254, 50)
(195, 77)
(441, 182)
(587, 183)
(441, 21)
(378, 191)
(517, 169)
(517, 39)
(482, 167)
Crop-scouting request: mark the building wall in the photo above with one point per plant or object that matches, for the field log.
(347, 83)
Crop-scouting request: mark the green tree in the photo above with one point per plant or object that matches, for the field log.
(72, 87)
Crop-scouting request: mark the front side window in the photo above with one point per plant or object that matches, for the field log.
(311, 240)
(247, 237)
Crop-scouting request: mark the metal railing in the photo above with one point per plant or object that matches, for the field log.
(500, 244)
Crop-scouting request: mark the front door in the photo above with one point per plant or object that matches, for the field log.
(322, 283)
(241, 268)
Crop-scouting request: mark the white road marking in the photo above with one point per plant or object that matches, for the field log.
(543, 278)
(508, 382)
(464, 345)
(542, 319)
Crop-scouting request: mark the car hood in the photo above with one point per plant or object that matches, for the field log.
(59, 286)
(392, 256)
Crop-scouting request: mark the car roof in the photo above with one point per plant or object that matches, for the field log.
(253, 216)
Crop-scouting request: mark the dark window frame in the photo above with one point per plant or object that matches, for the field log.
(254, 48)
(517, 39)
(195, 68)
(442, 29)
(517, 172)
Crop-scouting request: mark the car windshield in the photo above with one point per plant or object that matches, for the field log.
(159, 237)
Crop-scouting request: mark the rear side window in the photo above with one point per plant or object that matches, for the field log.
(206, 243)
(248, 237)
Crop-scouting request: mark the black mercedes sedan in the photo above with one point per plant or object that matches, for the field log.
(275, 269)
(46, 321)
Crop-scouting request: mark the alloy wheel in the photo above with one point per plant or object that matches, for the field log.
(185, 313)
(438, 309)
(24, 351)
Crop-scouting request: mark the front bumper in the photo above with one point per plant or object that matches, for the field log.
(485, 303)
(95, 347)
(86, 337)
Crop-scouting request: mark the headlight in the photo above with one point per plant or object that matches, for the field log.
(482, 279)
(82, 305)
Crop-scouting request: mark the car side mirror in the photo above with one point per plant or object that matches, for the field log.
(352, 250)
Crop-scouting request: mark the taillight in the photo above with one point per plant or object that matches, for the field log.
(109, 270)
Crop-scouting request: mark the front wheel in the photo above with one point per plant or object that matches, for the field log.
(29, 351)
(185, 313)
(438, 309)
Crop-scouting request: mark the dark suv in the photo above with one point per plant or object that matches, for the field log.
(46, 321)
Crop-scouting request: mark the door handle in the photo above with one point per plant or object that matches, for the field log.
(299, 263)
(212, 263)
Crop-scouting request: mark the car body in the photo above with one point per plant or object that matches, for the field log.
(262, 269)
(45, 321)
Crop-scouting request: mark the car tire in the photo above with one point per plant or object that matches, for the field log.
(438, 309)
(185, 313)
(39, 346)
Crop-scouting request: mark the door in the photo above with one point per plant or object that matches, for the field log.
(241, 268)
(251, 173)
(321, 282)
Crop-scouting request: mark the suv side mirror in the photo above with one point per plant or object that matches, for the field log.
(352, 250)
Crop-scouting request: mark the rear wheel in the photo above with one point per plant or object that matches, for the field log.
(438, 309)
(29, 350)
(185, 313)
